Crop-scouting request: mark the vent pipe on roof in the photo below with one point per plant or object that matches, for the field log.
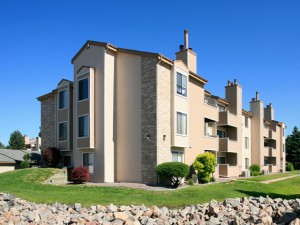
(180, 47)
(228, 83)
(186, 39)
(235, 81)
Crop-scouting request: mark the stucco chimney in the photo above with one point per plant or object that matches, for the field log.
(186, 39)
(235, 81)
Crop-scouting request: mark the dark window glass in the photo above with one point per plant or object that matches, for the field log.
(63, 129)
(83, 126)
(63, 100)
(83, 89)
(181, 84)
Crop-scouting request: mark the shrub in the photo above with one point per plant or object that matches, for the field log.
(51, 156)
(289, 167)
(173, 172)
(80, 174)
(205, 164)
(254, 170)
(25, 164)
(190, 181)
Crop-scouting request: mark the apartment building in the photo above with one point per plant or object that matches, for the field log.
(128, 111)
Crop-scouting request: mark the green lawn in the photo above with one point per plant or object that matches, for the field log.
(272, 176)
(26, 184)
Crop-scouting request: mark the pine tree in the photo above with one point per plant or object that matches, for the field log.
(16, 140)
(293, 148)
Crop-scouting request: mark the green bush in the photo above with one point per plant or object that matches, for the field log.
(254, 170)
(205, 164)
(190, 181)
(25, 164)
(173, 172)
(289, 167)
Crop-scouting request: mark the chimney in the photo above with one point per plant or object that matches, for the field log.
(257, 96)
(235, 81)
(228, 83)
(186, 39)
(180, 47)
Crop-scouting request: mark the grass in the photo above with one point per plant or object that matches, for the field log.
(26, 184)
(272, 176)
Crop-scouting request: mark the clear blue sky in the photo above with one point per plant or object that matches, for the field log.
(254, 41)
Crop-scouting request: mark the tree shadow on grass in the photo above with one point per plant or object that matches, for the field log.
(270, 194)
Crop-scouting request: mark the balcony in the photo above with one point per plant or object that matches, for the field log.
(227, 119)
(228, 145)
(272, 134)
(226, 170)
(211, 142)
(210, 109)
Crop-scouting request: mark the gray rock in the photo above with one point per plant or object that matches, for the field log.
(31, 217)
(213, 221)
(112, 208)
(77, 207)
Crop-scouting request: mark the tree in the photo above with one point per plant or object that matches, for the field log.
(2, 146)
(293, 148)
(16, 140)
(205, 164)
(51, 156)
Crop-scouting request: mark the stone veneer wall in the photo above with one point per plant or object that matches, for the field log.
(48, 118)
(149, 120)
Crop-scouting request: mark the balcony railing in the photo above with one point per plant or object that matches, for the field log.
(226, 118)
(228, 145)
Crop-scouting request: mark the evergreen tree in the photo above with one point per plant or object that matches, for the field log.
(293, 148)
(16, 140)
(2, 146)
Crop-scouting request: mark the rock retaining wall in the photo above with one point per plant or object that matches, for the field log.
(231, 211)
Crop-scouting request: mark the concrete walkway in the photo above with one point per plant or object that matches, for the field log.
(278, 179)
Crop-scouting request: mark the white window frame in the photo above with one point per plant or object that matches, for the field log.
(91, 171)
(88, 79)
(67, 131)
(186, 116)
(177, 152)
(186, 88)
(67, 102)
(88, 126)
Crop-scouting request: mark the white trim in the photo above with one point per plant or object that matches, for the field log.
(78, 126)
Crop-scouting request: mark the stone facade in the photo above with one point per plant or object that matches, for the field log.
(149, 120)
(48, 122)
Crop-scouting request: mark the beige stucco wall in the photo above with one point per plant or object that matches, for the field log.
(181, 104)
(7, 168)
(246, 152)
(164, 74)
(128, 118)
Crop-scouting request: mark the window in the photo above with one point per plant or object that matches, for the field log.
(221, 160)
(283, 147)
(246, 122)
(83, 89)
(88, 161)
(246, 142)
(181, 84)
(177, 156)
(246, 163)
(83, 126)
(181, 123)
(63, 131)
(63, 99)
(221, 134)
(266, 161)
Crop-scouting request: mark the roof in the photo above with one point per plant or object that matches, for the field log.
(10, 155)
(116, 49)
(48, 95)
(247, 113)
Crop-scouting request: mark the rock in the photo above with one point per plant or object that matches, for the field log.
(31, 217)
(77, 207)
(213, 207)
(112, 208)
(267, 220)
(148, 213)
(213, 221)
(295, 222)
(121, 216)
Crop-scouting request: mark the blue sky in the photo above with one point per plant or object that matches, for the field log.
(254, 41)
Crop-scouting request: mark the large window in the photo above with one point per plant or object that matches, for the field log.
(83, 126)
(83, 89)
(181, 84)
(63, 99)
(88, 161)
(177, 156)
(63, 131)
(246, 142)
(181, 123)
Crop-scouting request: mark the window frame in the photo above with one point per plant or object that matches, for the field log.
(186, 125)
(246, 142)
(175, 153)
(88, 89)
(180, 86)
(88, 126)
(246, 122)
(93, 163)
(67, 124)
(66, 98)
